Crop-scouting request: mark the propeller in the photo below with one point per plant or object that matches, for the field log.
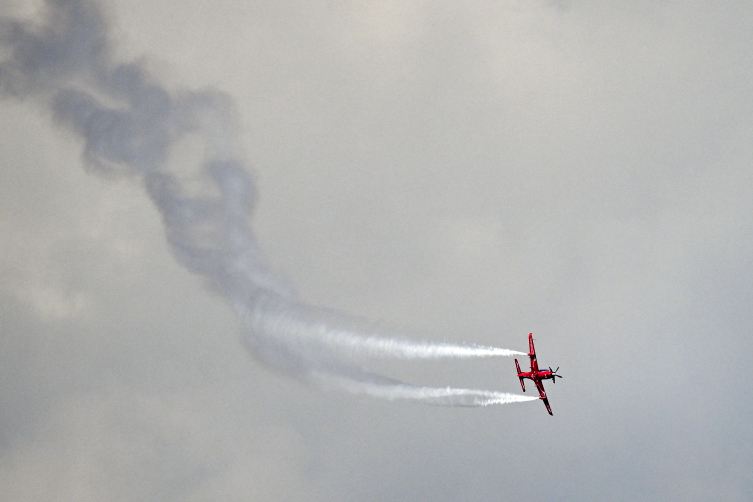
(554, 374)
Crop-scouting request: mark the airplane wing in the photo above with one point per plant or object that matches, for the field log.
(546, 403)
(542, 394)
(531, 348)
(532, 354)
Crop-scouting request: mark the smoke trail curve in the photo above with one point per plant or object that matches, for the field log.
(129, 125)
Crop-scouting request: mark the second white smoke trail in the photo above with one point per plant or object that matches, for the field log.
(439, 396)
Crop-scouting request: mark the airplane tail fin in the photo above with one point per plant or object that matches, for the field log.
(519, 377)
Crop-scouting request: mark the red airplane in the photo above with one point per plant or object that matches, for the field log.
(536, 375)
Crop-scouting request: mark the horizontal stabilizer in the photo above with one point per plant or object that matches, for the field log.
(517, 366)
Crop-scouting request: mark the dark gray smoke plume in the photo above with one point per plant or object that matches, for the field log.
(129, 125)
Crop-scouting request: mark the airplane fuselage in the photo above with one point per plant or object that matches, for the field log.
(536, 375)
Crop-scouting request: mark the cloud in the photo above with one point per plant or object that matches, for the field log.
(592, 160)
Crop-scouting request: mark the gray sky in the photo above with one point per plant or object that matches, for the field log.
(465, 173)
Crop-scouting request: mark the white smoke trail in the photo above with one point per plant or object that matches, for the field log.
(315, 328)
(129, 125)
(437, 396)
